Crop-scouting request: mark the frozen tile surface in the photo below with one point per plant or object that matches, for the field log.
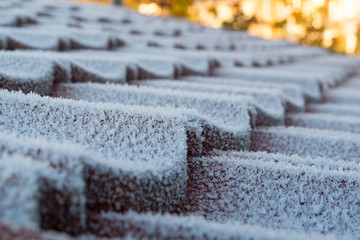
(118, 125)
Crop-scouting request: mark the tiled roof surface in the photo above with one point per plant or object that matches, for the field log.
(119, 125)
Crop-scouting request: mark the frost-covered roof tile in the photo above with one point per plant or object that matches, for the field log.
(11, 230)
(187, 62)
(16, 38)
(138, 157)
(336, 109)
(353, 82)
(270, 104)
(61, 200)
(58, 38)
(328, 74)
(90, 41)
(214, 110)
(26, 73)
(111, 185)
(41, 69)
(16, 18)
(112, 130)
(324, 121)
(311, 85)
(19, 184)
(343, 96)
(98, 69)
(137, 133)
(216, 107)
(166, 226)
(293, 93)
(275, 191)
(307, 141)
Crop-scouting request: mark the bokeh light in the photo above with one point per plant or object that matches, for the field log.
(333, 24)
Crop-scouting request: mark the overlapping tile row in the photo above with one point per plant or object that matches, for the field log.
(276, 191)
(38, 71)
(155, 226)
(293, 94)
(269, 104)
(149, 128)
(133, 135)
(218, 129)
(53, 197)
(307, 141)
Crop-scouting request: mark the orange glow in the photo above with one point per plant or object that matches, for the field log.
(341, 21)
(336, 21)
(96, 1)
(351, 43)
(224, 12)
(149, 9)
(249, 7)
(212, 14)
(261, 30)
(296, 4)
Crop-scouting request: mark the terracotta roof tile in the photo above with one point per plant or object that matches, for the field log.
(118, 125)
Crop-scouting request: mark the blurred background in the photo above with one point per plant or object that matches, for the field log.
(333, 24)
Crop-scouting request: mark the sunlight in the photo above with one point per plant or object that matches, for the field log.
(149, 9)
(328, 23)
(224, 12)
(249, 7)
